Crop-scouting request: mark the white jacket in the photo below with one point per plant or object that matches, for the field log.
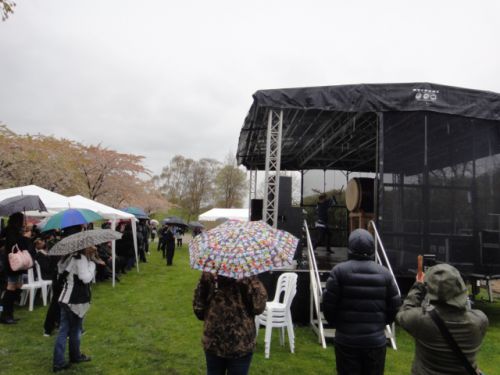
(76, 289)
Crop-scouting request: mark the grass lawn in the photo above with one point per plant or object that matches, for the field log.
(145, 325)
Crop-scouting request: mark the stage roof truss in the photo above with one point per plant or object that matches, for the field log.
(332, 120)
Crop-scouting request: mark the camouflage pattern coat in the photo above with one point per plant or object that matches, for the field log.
(228, 308)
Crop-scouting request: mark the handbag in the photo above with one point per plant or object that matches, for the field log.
(452, 343)
(20, 260)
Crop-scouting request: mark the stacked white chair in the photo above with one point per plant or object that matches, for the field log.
(30, 288)
(277, 313)
(46, 284)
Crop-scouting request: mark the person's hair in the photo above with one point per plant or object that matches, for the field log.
(72, 230)
(322, 197)
(16, 220)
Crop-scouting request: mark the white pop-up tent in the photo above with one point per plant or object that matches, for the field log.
(225, 213)
(110, 213)
(53, 201)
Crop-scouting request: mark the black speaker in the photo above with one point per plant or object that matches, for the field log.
(256, 209)
(285, 195)
(291, 220)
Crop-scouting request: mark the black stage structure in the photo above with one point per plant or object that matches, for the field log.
(434, 150)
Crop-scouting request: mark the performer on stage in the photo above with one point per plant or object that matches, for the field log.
(322, 207)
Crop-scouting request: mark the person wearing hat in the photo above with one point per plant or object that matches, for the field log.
(360, 299)
(443, 290)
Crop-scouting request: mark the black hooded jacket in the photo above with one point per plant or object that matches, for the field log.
(361, 296)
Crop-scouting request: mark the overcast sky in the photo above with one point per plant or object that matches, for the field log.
(160, 78)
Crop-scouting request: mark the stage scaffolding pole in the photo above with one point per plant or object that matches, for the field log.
(252, 193)
(273, 165)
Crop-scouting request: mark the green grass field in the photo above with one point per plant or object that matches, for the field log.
(145, 325)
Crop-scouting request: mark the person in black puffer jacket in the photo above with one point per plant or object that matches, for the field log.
(361, 297)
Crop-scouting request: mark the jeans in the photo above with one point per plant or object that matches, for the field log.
(359, 361)
(70, 326)
(234, 366)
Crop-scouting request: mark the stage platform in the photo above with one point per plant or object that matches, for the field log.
(326, 261)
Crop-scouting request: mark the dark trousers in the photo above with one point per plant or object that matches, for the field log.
(230, 366)
(161, 246)
(323, 238)
(170, 253)
(142, 254)
(8, 300)
(54, 311)
(359, 361)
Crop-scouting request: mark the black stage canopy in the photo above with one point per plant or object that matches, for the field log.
(335, 127)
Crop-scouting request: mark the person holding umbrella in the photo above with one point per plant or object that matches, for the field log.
(229, 329)
(77, 269)
(229, 295)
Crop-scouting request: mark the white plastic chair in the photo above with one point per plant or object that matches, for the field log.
(277, 313)
(46, 284)
(30, 289)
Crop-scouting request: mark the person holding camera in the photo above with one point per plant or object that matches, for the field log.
(76, 271)
(442, 292)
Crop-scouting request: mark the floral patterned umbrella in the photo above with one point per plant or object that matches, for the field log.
(238, 249)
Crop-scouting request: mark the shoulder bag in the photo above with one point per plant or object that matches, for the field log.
(20, 260)
(452, 343)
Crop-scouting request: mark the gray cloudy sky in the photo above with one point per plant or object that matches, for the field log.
(160, 78)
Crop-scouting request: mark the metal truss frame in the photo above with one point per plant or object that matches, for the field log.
(273, 166)
(252, 191)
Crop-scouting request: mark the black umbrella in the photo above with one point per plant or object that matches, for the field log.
(196, 224)
(21, 203)
(174, 220)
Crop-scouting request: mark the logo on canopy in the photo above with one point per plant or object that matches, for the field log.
(426, 95)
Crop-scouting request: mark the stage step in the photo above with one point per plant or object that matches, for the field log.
(328, 332)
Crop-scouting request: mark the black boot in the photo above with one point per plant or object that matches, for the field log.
(8, 307)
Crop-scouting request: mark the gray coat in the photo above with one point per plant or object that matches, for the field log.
(445, 291)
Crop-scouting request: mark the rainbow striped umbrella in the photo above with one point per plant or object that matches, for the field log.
(239, 249)
(71, 216)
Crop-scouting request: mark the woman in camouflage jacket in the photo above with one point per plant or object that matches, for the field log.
(228, 307)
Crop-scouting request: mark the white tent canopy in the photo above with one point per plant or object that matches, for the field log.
(225, 213)
(53, 201)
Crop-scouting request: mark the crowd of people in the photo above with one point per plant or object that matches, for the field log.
(71, 276)
(361, 298)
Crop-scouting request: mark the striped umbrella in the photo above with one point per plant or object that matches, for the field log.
(71, 216)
